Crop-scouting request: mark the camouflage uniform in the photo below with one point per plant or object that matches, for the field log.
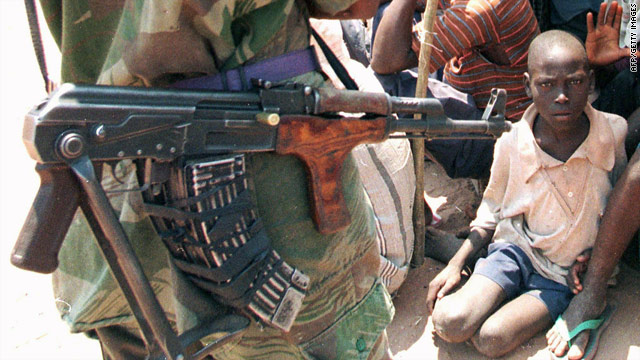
(155, 43)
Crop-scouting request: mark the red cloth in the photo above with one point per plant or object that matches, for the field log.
(483, 44)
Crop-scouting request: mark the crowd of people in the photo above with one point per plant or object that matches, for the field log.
(559, 209)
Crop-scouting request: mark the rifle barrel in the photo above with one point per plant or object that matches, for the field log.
(445, 127)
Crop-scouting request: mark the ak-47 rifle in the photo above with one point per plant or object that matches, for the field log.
(82, 125)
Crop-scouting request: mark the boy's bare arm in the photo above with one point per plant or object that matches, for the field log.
(450, 276)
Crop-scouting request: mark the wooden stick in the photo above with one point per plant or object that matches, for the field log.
(417, 145)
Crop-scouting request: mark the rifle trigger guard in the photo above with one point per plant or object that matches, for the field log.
(147, 179)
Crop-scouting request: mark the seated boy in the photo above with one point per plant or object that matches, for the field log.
(550, 179)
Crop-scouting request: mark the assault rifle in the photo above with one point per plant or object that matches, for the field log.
(82, 125)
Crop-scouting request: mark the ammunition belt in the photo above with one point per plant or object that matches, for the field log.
(211, 227)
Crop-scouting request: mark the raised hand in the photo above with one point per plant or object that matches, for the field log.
(602, 40)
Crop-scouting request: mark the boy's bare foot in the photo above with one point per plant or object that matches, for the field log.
(587, 305)
(441, 245)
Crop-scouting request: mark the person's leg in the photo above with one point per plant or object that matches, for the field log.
(442, 246)
(463, 158)
(620, 222)
(497, 277)
(460, 158)
(539, 301)
(458, 316)
(513, 324)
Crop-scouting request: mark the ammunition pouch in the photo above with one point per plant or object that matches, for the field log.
(205, 215)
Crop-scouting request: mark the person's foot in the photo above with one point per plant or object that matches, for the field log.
(587, 305)
(441, 245)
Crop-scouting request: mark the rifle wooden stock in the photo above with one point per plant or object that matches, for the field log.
(48, 220)
(323, 146)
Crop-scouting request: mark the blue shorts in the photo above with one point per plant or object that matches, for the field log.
(508, 266)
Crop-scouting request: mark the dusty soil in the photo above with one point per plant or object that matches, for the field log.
(30, 327)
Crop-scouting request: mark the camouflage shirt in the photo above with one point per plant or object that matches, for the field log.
(155, 43)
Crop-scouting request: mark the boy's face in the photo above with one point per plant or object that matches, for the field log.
(559, 84)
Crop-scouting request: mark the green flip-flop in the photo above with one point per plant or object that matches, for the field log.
(596, 327)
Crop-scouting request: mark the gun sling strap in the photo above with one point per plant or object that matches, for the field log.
(36, 41)
(274, 69)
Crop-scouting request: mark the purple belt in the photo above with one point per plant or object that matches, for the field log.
(274, 69)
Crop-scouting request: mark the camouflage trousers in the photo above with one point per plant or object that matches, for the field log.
(118, 342)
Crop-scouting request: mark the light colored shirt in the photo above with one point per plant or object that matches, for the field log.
(549, 208)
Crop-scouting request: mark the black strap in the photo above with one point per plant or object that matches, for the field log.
(36, 39)
(336, 65)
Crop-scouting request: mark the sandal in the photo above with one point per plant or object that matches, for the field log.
(596, 327)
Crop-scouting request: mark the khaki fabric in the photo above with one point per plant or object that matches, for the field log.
(387, 173)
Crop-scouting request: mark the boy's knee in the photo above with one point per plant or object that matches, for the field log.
(451, 323)
(491, 340)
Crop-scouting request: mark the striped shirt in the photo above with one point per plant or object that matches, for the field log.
(483, 44)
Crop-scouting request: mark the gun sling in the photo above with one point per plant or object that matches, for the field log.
(274, 69)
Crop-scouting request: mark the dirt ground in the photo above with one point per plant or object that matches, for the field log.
(30, 327)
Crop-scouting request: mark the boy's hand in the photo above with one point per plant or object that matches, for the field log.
(602, 41)
(576, 270)
(440, 286)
